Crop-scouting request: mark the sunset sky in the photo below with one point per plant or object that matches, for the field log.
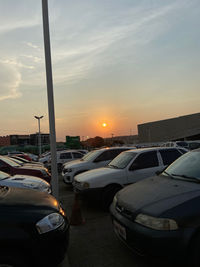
(119, 62)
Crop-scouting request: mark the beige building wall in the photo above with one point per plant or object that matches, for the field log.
(184, 127)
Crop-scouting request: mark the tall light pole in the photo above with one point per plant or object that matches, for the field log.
(39, 135)
(49, 80)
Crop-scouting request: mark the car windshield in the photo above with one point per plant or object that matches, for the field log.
(10, 162)
(187, 166)
(17, 161)
(122, 160)
(3, 175)
(91, 155)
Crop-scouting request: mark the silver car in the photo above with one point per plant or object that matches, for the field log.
(24, 181)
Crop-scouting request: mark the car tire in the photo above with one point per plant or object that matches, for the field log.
(108, 195)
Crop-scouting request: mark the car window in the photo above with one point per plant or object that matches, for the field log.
(104, 156)
(109, 154)
(77, 155)
(122, 160)
(182, 150)
(181, 143)
(146, 160)
(65, 156)
(10, 162)
(169, 155)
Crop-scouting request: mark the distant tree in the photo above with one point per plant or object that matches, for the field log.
(97, 141)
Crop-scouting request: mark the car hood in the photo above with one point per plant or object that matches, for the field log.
(18, 197)
(32, 167)
(75, 164)
(157, 195)
(96, 173)
(28, 179)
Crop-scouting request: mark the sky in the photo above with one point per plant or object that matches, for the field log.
(120, 62)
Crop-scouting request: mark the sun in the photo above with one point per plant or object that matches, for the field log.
(104, 124)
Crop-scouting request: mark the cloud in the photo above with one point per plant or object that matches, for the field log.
(10, 80)
(32, 45)
(135, 29)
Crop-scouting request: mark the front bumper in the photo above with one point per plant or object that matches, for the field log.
(67, 177)
(51, 247)
(146, 241)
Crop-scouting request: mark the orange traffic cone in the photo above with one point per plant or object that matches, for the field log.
(76, 216)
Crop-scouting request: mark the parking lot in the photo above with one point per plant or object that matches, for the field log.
(94, 242)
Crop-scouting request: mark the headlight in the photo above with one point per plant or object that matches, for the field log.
(156, 223)
(85, 185)
(68, 170)
(50, 223)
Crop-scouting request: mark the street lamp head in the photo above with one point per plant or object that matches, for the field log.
(38, 118)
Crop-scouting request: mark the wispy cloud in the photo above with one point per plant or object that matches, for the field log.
(10, 81)
(76, 60)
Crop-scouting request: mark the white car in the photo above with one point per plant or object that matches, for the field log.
(24, 181)
(45, 157)
(65, 156)
(92, 160)
(128, 167)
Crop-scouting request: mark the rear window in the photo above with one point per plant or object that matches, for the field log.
(169, 155)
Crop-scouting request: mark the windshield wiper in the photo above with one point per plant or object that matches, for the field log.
(168, 174)
(110, 165)
(188, 178)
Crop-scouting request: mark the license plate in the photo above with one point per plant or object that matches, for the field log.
(119, 229)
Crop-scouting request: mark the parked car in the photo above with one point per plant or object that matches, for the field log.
(24, 181)
(176, 144)
(24, 156)
(65, 156)
(9, 166)
(22, 161)
(92, 160)
(33, 156)
(193, 144)
(34, 229)
(128, 167)
(160, 215)
(45, 157)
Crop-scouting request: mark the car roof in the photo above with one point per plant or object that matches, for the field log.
(154, 149)
(70, 150)
(113, 148)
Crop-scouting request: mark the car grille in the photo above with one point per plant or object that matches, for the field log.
(125, 212)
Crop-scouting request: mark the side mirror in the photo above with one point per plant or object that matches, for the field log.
(158, 172)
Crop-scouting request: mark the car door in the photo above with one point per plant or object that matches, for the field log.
(143, 166)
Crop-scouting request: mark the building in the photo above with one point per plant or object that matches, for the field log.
(34, 138)
(23, 140)
(5, 140)
(179, 128)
